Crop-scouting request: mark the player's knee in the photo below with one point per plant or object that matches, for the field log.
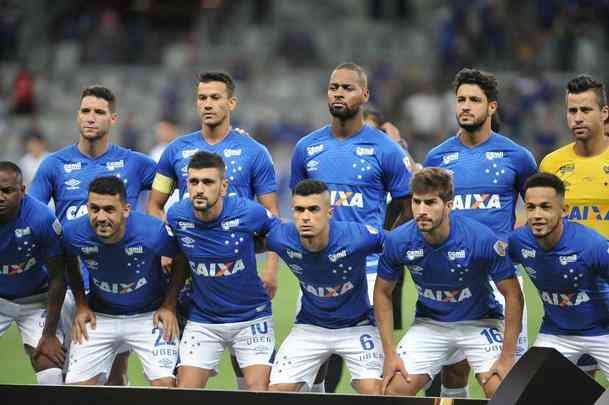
(257, 383)
(285, 387)
(163, 382)
(398, 386)
(455, 375)
(368, 386)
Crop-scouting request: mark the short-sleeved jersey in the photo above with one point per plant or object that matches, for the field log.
(452, 279)
(25, 243)
(587, 185)
(249, 167)
(572, 278)
(487, 178)
(66, 174)
(222, 260)
(360, 171)
(333, 281)
(125, 277)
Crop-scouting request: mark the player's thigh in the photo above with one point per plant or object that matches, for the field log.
(31, 324)
(158, 356)
(254, 343)
(481, 341)
(361, 349)
(565, 345)
(201, 345)
(426, 346)
(94, 356)
(5, 322)
(301, 355)
(598, 348)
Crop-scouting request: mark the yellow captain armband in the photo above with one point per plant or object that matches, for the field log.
(162, 184)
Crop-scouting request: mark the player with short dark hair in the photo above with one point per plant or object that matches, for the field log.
(32, 266)
(329, 260)
(64, 177)
(451, 259)
(130, 304)
(489, 171)
(569, 264)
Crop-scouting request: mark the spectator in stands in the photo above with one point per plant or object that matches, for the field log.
(35, 145)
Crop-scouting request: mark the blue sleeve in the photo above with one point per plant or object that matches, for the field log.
(41, 187)
(499, 264)
(49, 232)
(263, 172)
(66, 241)
(430, 160)
(165, 165)
(513, 249)
(600, 257)
(396, 175)
(261, 219)
(273, 237)
(390, 266)
(147, 171)
(526, 168)
(297, 173)
(167, 244)
(375, 238)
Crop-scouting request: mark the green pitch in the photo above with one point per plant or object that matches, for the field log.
(16, 368)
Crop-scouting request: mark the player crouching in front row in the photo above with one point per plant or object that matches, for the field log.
(451, 259)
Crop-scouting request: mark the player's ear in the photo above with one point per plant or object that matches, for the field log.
(114, 118)
(565, 209)
(605, 113)
(232, 103)
(449, 204)
(365, 94)
(492, 107)
(224, 187)
(126, 210)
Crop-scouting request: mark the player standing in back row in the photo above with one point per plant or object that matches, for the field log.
(489, 172)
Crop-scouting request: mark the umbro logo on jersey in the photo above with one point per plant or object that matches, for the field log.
(188, 241)
(414, 254)
(362, 151)
(493, 155)
(70, 167)
(227, 225)
(21, 232)
(476, 201)
(72, 184)
(293, 255)
(312, 165)
(311, 150)
(119, 164)
(527, 253)
(451, 157)
(232, 152)
(296, 268)
(564, 260)
(132, 250)
(87, 250)
(184, 225)
(414, 269)
(186, 153)
(458, 254)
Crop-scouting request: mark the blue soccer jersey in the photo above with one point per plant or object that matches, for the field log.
(220, 253)
(126, 277)
(487, 178)
(25, 243)
(66, 174)
(572, 279)
(333, 281)
(452, 279)
(359, 171)
(249, 168)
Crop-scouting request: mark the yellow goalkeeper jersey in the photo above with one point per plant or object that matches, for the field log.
(587, 185)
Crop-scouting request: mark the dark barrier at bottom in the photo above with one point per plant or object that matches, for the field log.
(544, 376)
(77, 395)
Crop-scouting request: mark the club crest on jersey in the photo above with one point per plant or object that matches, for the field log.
(415, 254)
(18, 268)
(88, 250)
(227, 225)
(188, 241)
(568, 168)
(232, 152)
(458, 254)
(415, 270)
(328, 292)
(451, 157)
(458, 295)
(527, 253)
(184, 225)
(606, 169)
(372, 230)
(312, 165)
(72, 184)
(119, 164)
(493, 155)
(70, 167)
(217, 269)
(564, 260)
(338, 255)
(186, 153)
(293, 254)
(500, 248)
(563, 300)
(91, 264)
(120, 288)
(311, 150)
(363, 151)
(133, 250)
(476, 201)
(346, 199)
(21, 232)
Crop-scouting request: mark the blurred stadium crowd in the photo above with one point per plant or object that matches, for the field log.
(280, 52)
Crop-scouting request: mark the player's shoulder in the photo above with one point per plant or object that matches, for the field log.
(314, 137)
(406, 233)
(144, 221)
(520, 235)
(451, 144)
(183, 142)
(76, 228)
(583, 233)
(133, 156)
(180, 209)
(245, 140)
(67, 153)
(553, 160)
(472, 228)
(509, 145)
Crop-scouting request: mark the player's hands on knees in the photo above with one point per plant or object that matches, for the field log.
(392, 365)
(166, 263)
(501, 367)
(167, 318)
(50, 347)
(83, 316)
(269, 281)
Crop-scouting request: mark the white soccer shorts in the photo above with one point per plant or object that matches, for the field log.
(573, 347)
(252, 342)
(429, 344)
(137, 332)
(29, 318)
(307, 347)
